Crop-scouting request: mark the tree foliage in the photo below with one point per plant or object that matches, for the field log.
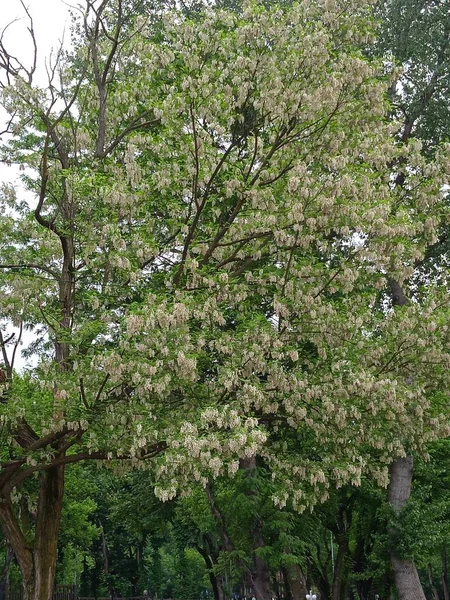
(216, 222)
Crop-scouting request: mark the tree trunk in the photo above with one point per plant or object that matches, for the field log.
(336, 591)
(405, 572)
(260, 576)
(19, 544)
(217, 586)
(261, 580)
(4, 579)
(363, 585)
(47, 530)
(215, 580)
(38, 562)
(431, 580)
(445, 575)
(295, 583)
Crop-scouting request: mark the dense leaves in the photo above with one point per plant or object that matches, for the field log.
(225, 261)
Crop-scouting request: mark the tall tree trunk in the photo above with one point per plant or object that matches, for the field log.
(47, 530)
(19, 544)
(363, 585)
(4, 579)
(37, 562)
(215, 580)
(217, 585)
(323, 586)
(295, 582)
(431, 580)
(105, 553)
(405, 572)
(259, 574)
(445, 575)
(336, 590)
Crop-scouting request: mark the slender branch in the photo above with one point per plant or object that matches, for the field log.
(190, 234)
(252, 162)
(51, 272)
(133, 126)
(33, 38)
(196, 157)
(16, 345)
(83, 393)
(330, 280)
(5, 355)
(114, 44)
(102, 387)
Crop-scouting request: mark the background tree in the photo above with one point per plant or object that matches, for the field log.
(416, 36)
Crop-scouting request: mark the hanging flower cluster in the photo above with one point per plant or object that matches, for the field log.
(236, 225)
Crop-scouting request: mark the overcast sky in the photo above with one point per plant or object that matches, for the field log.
(51, 18)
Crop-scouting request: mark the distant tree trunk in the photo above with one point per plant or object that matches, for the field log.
(215, 580)
(226, 541)
(4, 580)
(445, 575)
(405, 573)
(295, 583)
(280, 592)
(323, 586)
(363, 585)
(105, 553)
(337, 586)
(430, 578)
(217, 586)
(260, 574)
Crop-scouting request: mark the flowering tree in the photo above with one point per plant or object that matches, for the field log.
(416, 35)
(205, 264)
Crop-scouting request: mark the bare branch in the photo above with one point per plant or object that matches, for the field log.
(16, 345)
(5, 355)
(12, 66)
(33, 38)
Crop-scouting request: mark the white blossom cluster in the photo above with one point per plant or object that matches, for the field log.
(234, 250)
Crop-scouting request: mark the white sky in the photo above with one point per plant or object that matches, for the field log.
(50, 19)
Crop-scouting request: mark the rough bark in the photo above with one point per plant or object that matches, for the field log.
(445, 575)
(405, 573)
(37, 563)
(338, 576)
(295, 583)
(13, 533)
(47, 529)
(4, 579)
